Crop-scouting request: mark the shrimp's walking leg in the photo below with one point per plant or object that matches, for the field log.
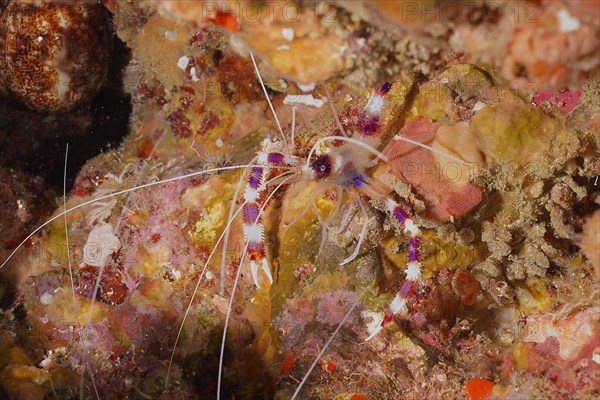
(253, 224)
(413, 272)
(228, 227)
(254, 233)
(235, 283)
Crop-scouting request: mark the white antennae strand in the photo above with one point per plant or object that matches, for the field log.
(333, 335)
(262, 84)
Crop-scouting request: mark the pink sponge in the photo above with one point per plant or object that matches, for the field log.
(417, 167)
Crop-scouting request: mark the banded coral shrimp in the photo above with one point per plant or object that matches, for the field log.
(342, 165)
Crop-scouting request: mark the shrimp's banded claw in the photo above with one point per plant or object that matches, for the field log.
(264, 267)
(380, 319)
(376, 324)
(377, 320)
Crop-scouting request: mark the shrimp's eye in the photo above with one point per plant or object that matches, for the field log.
(321, 166)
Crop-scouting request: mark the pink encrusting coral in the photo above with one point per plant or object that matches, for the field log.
(417, 167)
(565, 100)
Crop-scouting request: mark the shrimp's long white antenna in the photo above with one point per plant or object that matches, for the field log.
(141, 171)
(187, 311)
(294, 108)
(419, 144)
(333, 335)
(76, 307)
(335, 113)
(363, 233)
(262, 84)
(120, 192)
(91, 313)
(94, 383)
(370, 148)
(237, 277)
(70, 264)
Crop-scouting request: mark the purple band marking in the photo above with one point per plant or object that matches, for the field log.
(383, 89)
(251, 213)
(400, 214)
(357, 181)
(255, 177)
(414, 252)
(276, 158)
(255, 248)
(406, 289)
(368, 124)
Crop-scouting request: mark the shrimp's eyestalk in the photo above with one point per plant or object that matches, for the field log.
(321, 167)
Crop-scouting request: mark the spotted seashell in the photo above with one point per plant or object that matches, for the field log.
(53, 56)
